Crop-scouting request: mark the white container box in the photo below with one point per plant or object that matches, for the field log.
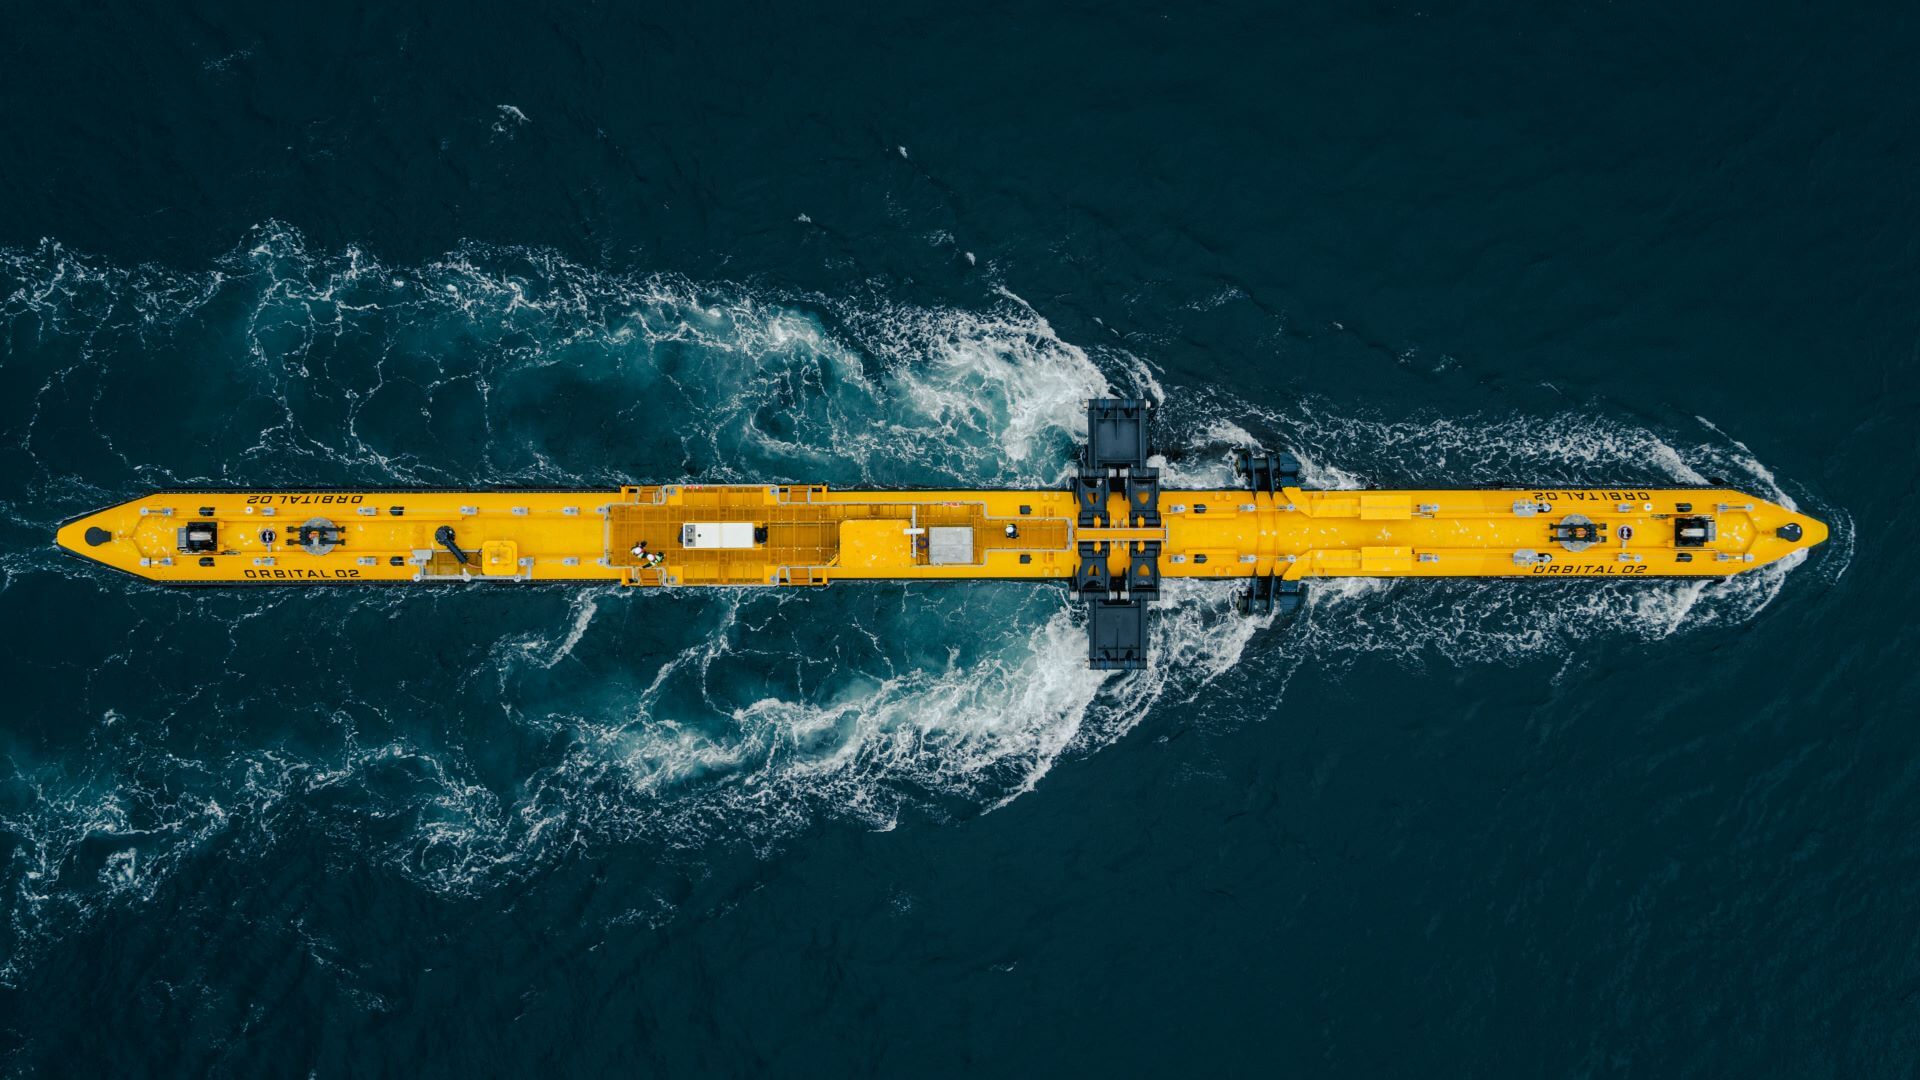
(717, 534)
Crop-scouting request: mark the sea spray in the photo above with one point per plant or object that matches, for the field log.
(518, 729)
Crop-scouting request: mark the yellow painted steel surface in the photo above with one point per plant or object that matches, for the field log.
(813, 536)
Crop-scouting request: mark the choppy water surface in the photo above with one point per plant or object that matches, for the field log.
(1588, 828)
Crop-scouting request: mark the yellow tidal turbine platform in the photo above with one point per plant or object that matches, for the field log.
(1110, 537)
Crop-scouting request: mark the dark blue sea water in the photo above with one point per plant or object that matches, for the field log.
(1492, 829)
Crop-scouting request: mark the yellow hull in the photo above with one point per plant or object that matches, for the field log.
(814, 536)
(1112, 537)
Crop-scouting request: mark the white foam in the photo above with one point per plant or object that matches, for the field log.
(790, 385)
(508, 120)
(985, 731)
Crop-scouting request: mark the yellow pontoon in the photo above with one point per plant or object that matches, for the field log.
(1111, 537)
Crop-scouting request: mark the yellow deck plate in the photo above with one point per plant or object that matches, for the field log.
(875, 546)
(1387, 506)
(1386, 560)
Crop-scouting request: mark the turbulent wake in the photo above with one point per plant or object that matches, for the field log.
(534, 725)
